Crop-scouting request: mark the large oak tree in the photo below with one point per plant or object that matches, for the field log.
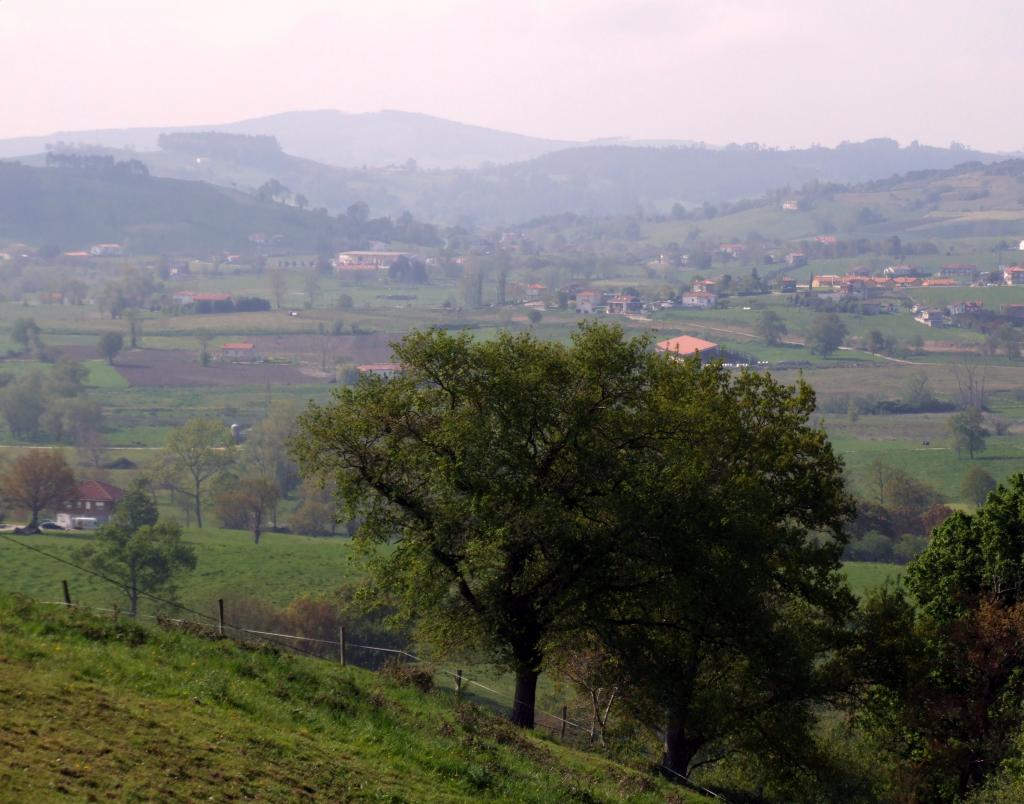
(488, 464)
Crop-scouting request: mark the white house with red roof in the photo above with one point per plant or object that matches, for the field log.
(699, 299)
(93, 505)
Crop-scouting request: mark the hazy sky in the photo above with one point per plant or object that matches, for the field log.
(779, 72)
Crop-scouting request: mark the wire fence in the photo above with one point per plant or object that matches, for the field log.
(558, 724)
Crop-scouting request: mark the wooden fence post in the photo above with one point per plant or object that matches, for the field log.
(341, 643)
(458, 682)
(67, 593)
(220, 617)
(565, 717)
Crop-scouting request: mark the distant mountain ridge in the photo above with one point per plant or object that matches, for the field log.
(334, 138)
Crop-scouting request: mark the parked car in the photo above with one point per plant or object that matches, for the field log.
(49, 524)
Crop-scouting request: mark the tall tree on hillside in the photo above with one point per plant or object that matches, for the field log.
(38, 480)
(732, 591)
(487, 464)
(194, 454)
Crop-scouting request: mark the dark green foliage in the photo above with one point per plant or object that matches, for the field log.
(968, 431)
(942, 671)
(144, 560)
(977, 484)
(826, 334)
(486, 461)
(770, 327)
(109, 345)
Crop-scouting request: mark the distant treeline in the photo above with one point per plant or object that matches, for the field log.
(101, 164)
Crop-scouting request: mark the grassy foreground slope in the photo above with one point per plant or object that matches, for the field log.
(94, 707)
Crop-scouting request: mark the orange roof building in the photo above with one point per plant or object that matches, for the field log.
(685, 346)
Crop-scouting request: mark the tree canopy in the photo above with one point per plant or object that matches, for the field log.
(537, 492)
(826, 334)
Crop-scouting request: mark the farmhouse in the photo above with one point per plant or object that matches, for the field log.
(587, 300)
(535, 290)
(826, 282)
(1014, 275)
(687, 346)
(381, 259)
(698, 299)
(931, 318)
(93, 505)
(240, 352)
(796, 259)
(704, 285)
(963, 273)
(787, 285)
(900, 270)
(623, 305)
(107, 250)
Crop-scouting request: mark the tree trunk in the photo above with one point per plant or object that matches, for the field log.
(256, 534)
(133, 594)
(199, 508)
(526, 698)
(679, 748)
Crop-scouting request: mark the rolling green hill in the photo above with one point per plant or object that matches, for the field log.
(99, 708)
(72, 209)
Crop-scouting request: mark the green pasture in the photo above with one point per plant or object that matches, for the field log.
(280, 568)
(154, 714)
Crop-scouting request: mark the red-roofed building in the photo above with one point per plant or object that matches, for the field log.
(623, 305)
(93, 505)
(1013, 275)
(699, 299)
(240, 352)
(687, 346)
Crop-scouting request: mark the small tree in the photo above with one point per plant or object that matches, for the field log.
(25, 333)
(250, 504)
(770, 327)
(826, 334)
(969, 432)
(194, 454)
(204, 336)
(143, 560)
(109, 345)
(976, 485)
(535, 316)
(38, 480)
(278, 287)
